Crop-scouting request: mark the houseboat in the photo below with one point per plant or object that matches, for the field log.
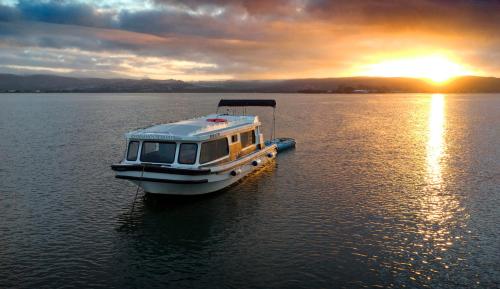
(200, 155)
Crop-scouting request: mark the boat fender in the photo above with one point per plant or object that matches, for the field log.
(256, 162)
(235, 172)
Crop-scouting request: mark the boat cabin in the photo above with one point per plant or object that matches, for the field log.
(205, 141)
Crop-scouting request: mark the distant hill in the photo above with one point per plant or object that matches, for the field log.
(51, 83)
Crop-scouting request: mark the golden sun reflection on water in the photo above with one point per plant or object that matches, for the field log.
(435, 202)
(438, 206)
(435, 143)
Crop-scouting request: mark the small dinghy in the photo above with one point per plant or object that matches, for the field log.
(200, 155)
(282, 144)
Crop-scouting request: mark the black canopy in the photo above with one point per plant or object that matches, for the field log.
(247, 102)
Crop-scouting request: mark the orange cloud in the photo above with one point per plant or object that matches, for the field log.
(249, 39)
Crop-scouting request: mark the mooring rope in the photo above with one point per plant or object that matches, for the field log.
(137, 191)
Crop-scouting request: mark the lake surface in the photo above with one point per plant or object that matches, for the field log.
(396, 190)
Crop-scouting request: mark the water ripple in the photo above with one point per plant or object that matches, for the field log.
(383, 191)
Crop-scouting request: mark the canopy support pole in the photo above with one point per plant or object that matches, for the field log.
(273, 134)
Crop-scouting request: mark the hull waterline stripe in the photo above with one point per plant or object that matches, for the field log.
(158, 169)
(185, 182)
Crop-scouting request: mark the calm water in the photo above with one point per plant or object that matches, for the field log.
(382, 190)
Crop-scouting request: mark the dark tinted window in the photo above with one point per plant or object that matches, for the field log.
(212, 150)
(247, 138)
(234, 138)
(133, 148)
(187, 153)
(158, 152)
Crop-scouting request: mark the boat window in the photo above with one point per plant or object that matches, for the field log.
(158, 152)
(212, 150)
(187, 153)
(133, 148)
(247, 138)
(234, 138)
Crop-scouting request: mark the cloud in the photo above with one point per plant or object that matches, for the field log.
(247, 39)
(8, 13)
(176, 23)
(60, 12)
(439, 16)
(257, 8)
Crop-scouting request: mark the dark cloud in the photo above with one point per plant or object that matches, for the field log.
(284, 9)
(45, 35)
(242, 19)
(8, 13)
(58, 12)
(220, 18)
(175, 23)
(62, 12)
(215, 23)
(443, 15)
(251, 39)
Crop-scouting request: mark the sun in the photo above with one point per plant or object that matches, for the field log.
(436, 68)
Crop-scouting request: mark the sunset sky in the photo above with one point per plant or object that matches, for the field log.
(260, 39)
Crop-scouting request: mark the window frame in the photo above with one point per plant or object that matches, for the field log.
(195, 154)
(136, 153)
(218, 159)
(159, 142)
(254, 137)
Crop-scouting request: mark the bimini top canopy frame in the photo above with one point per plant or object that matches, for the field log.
(247, 102)
(251, 102)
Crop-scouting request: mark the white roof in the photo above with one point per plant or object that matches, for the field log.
(196, 129)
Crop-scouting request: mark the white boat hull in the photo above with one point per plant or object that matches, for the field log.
(187, 189)
(188, 185)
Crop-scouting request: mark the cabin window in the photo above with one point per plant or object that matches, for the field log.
(158, 152)
(187, 153)
(247, 138)
(133, 149)
(234, 138)
(213, 150)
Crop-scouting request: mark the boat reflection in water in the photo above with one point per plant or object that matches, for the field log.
(174, 212)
